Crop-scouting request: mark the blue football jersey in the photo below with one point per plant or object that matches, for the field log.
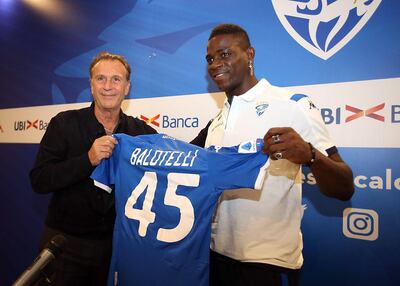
(165, 194)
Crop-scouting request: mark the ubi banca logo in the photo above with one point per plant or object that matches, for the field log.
(171, 122)
(349, 113)
(34, 124)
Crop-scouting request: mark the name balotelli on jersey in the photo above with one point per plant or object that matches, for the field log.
(152, 157)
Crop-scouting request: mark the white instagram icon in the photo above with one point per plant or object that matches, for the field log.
(360, 224)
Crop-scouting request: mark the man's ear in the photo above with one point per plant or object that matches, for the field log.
(127, 88)
(251, 53)
(91, 86)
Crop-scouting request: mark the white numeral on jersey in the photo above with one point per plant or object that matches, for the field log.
(145, 216)
(181, 202)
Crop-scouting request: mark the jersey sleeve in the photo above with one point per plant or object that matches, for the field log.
(104, 174)
(235, 168)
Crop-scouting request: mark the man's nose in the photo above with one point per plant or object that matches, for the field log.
(108, 84)
(216, 63)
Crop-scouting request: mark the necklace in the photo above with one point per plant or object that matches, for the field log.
(109, 131)
(112, 123)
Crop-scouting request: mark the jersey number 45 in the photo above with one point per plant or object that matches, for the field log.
(145, 216)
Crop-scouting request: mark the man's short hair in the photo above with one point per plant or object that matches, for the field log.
(231, 29)
(111, 57)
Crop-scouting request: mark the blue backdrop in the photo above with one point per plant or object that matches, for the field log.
(45, 54)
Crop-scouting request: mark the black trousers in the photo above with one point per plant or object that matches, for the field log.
(83, 261)
(225, 271)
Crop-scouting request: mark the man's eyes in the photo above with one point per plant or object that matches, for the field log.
(115, 79)
(222, 55)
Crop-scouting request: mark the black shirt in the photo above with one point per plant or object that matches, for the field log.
(63, 168)
(200, 139)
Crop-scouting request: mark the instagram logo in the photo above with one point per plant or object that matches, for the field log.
(360, 224)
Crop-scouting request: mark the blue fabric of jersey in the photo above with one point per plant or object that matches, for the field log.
(297, 97)
(138, 164)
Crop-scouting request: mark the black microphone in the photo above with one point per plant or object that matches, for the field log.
(34, 272)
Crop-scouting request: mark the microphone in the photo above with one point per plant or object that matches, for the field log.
(34, 272)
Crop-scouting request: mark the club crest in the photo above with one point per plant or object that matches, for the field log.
(260, 109)
(323, 27)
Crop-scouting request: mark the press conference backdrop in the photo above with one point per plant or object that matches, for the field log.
(344, 54)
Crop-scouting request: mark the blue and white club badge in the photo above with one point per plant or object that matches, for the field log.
(323, 27)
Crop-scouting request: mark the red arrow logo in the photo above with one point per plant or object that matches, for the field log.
(32, 124)
(368, 112)
(151, 120)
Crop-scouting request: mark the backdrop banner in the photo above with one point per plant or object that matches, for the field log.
(344, 54)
